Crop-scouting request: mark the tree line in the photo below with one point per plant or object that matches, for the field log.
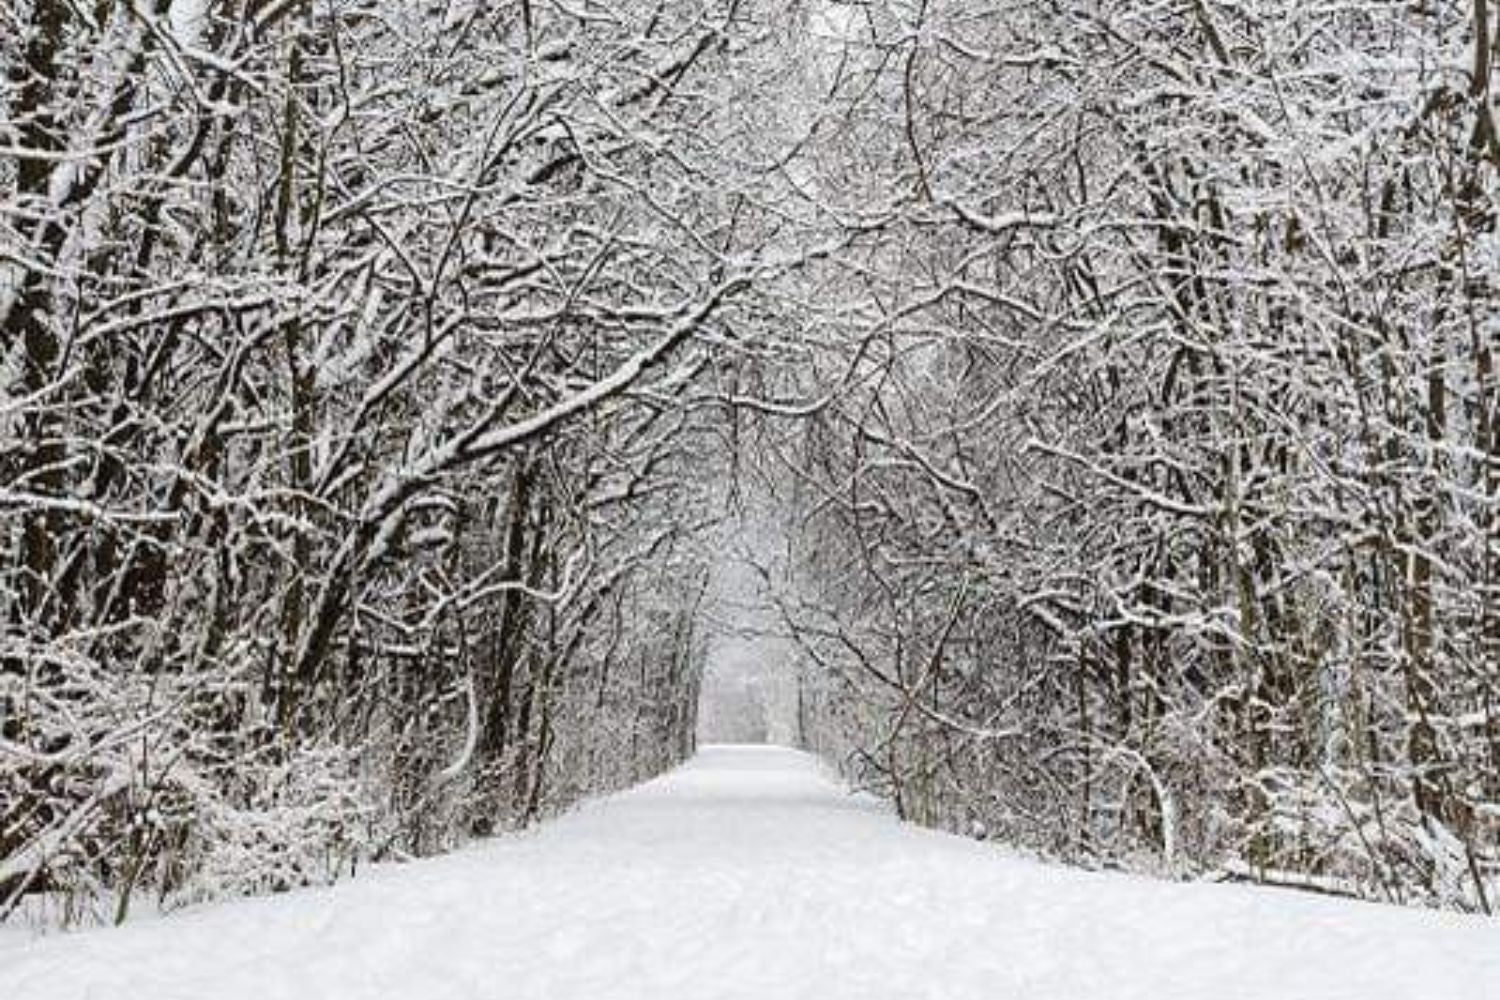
(348, 502)
(1148, 513)
(1116, 381)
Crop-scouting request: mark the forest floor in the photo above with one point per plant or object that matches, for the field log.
(751, 873)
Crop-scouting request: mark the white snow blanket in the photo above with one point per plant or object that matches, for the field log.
(751, 873)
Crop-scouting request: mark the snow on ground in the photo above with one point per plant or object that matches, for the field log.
(749, 873)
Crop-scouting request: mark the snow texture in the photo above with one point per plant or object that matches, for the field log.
(750, 873)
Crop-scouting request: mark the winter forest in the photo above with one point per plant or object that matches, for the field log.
(1094, 403)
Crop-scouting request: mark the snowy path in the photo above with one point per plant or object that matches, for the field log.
(749, 874)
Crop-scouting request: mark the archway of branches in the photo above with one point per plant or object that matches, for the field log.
(1077, 422)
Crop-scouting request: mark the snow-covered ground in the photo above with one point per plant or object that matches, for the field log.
(749, 873)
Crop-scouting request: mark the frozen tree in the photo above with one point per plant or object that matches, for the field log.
(350, 501)
(1145, 502)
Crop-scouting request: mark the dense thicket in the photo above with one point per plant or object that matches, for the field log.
(347, 504)
(1157, 520)
(1117, 381)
